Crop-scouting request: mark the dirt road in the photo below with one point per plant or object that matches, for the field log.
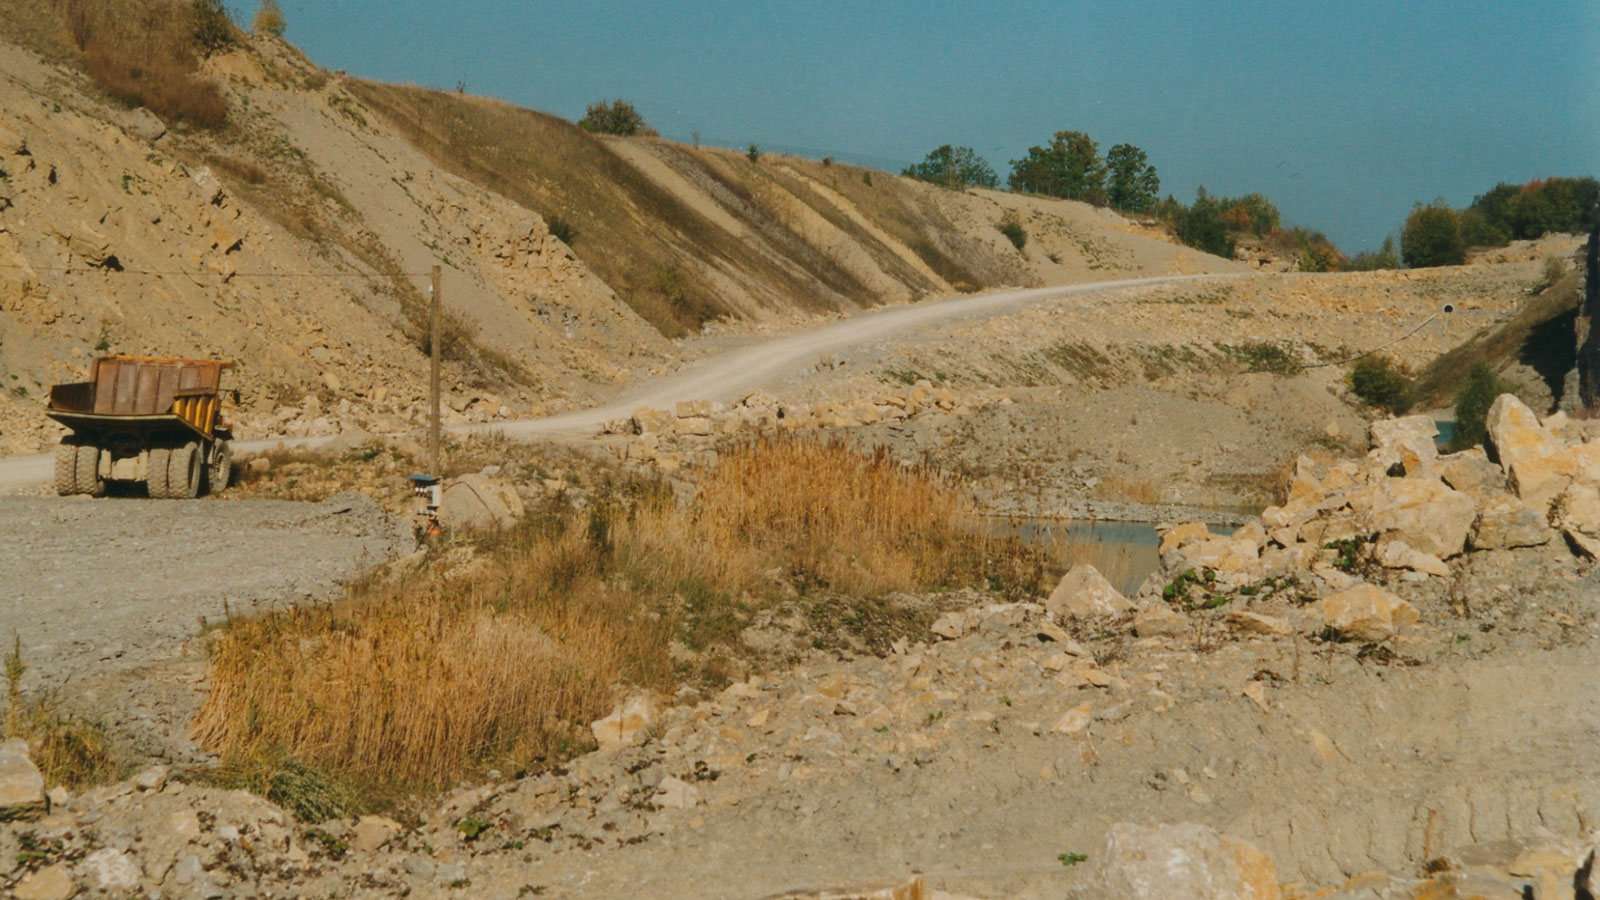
(722, 376)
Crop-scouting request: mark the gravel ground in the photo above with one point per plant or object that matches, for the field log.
(106, 595)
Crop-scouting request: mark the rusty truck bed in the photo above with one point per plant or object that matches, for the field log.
(135, 392)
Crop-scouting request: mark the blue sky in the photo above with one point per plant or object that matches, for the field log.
(1343, 113)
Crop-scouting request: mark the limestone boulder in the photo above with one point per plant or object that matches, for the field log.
(1409, 442)
(1175, 536)
(1400, 555)
(477, 502)
(1258, 623)
(1471, 471)
(1516, 434)
(1160, 621)
(1187, 861)
(1366, 612)
(1578, 509)
(1506, 522)
(1524, 448)
(1084, 593)
(1425, 513)
(22, 793)
(626, 724)
(653, 421)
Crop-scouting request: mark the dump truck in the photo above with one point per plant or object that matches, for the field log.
(141, 418)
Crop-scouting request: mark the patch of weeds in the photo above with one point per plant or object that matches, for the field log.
(1264, 356)
(907, 377)
(472, 827)
(1012, 228)
(1181, 589)
(1053, 257)
(334, 847)
(563, 230)
(67, 750)
(460, 883)
(935, 716)
(1351, 558)
(1072, 859)
(308, 793)
(34, 851)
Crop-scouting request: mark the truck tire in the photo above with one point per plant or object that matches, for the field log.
(88, 471)
(185, 472)
(156, 474)
(220, 471)
(66, 469)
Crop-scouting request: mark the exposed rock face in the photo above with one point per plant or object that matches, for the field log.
(1084, 593)
(1183, 862)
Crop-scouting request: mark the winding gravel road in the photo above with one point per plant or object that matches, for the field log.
(723, 376)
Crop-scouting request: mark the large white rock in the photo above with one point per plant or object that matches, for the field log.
(1408, 442)
(476, 502)
(1084, 593)
(1188, 861)
(1366, 612)
(1423, 512)
(111, 870)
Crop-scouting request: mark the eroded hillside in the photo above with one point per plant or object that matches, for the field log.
(296, 239)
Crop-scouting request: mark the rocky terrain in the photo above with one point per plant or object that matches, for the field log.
(1380, 688)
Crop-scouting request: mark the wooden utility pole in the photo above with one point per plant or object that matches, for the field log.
(433, 376)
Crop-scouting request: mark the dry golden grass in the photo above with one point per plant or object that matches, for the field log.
(67, 749)
(1128, 488)
(504, 661)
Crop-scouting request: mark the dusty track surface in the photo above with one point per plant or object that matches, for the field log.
(107, 595)
(722, 376)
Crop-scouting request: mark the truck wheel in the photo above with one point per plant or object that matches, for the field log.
(221, 471)
(66, 469)
(185, 470)
(156, 473)
(88, 466)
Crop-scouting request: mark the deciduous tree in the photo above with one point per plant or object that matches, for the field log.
(954, 167)
(1131, 181)
(1069, 166)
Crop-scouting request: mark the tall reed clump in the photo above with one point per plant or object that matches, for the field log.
(417, 683)
(863, 524)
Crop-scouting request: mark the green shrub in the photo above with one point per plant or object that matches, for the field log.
(563, 230)
(1378, 382)
(1432, 237)
(753, 152)
(211, 26)
(1013, 230)
(1472, 405)
(617, 117)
